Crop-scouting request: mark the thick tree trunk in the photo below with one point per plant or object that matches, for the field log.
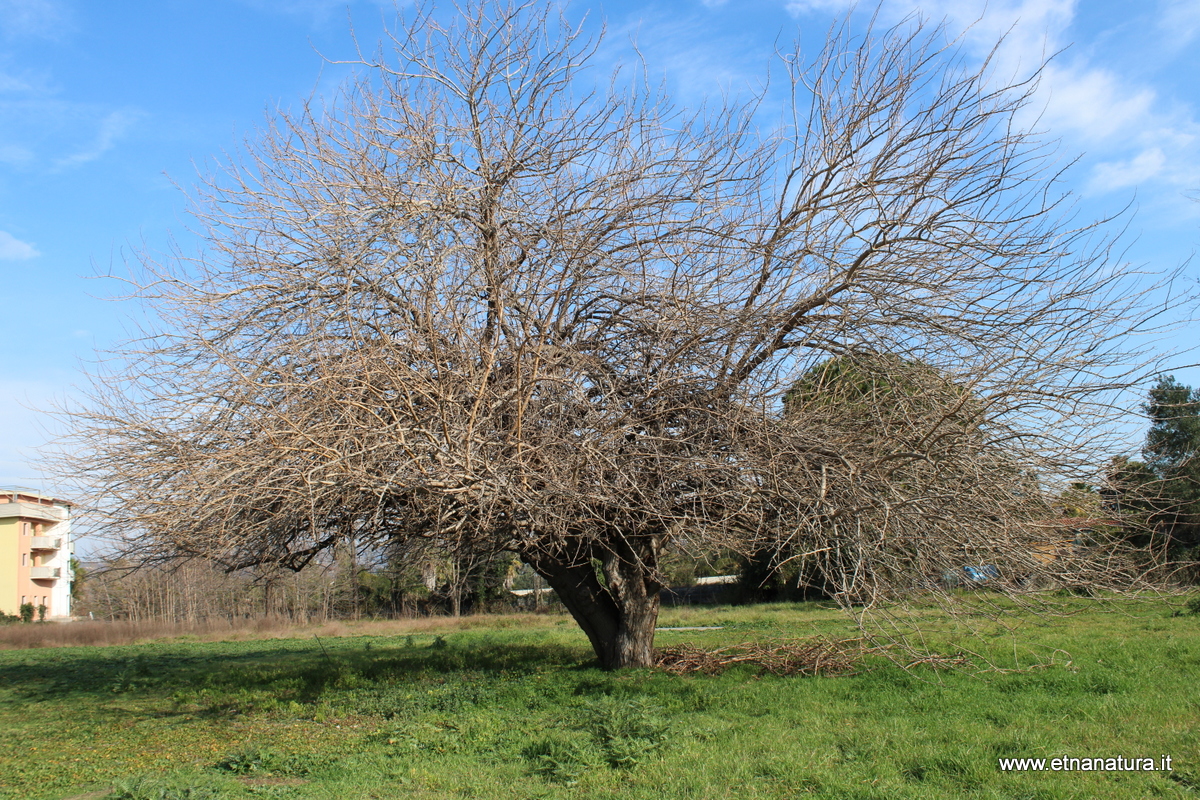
(619, 614)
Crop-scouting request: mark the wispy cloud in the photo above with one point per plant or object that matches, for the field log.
(679, 49)
(316, 12)
(13, 84)
(1093, 104)
(800, 7)
(13, 249)
(111, 128)
(1132, 134)
(1110, 175)
(15, 154)
(1179, 22)
(42, 129)
(44, 132)
(46, 19)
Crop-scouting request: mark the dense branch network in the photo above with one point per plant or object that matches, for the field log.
(473, 302)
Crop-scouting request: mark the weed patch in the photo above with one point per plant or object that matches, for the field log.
(619, 732)
(185, 786)
(267, 763)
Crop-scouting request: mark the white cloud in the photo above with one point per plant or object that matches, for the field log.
(317, 12)
(680, 49)
(39, 128)
(13, 249)
(1110, 175)
(1132, 135)
(1179, 22)
(798, 7)
(10, 83)
(1094, 104)
(111, 128)
(46, 19)
(15, 154)
(1031, 29)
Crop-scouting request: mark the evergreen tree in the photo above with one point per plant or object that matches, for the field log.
(1172, 456)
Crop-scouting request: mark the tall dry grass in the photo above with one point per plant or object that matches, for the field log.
(100, 633)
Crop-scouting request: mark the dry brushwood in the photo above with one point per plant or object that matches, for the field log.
(816, 657)
(482, 303)
(802, 657)
(938, 661)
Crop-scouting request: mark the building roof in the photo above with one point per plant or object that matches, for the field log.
(14, 494)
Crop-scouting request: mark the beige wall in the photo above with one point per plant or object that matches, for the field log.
(16, 560)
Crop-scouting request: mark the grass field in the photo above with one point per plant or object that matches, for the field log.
(511, 707)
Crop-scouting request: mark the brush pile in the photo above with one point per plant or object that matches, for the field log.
(798, 657)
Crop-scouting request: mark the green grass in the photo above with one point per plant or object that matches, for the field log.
(506, 712)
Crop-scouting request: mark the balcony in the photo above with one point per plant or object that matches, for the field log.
(45, 572)
(45, 542)
(34, 511)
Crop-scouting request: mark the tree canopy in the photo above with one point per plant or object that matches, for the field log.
(480, 302)
(1172, 452)
(1159, 497)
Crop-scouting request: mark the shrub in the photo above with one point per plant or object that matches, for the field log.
(561, 760)
(626, 730)
(621, 733)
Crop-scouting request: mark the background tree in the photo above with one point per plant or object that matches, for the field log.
(79, 579)
(1159, 498)
(1080, 500)
(915, 435)
(1172, 452)
(477, 302)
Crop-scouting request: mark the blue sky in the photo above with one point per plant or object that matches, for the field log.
(108, 110)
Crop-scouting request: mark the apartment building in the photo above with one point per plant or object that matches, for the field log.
(35, 552)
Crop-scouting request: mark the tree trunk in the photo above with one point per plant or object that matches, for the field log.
(619, 614)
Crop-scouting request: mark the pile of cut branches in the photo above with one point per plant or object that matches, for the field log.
(797, 657)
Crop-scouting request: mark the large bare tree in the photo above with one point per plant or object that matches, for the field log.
(485, 300)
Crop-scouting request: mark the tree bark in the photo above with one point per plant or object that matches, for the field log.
(619, 614)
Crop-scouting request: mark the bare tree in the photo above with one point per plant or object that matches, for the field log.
(477, 303)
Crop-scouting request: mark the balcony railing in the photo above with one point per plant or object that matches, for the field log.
(45, 543)
(45, 572)
(34, 511)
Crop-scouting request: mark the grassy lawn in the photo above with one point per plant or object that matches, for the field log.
(513, 708)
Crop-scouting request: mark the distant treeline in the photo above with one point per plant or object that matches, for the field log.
(348, 586)
(196, 590)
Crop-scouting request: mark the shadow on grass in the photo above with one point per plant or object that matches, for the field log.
(302, 673)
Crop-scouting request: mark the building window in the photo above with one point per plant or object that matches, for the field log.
(24, 559)
(23, 599)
